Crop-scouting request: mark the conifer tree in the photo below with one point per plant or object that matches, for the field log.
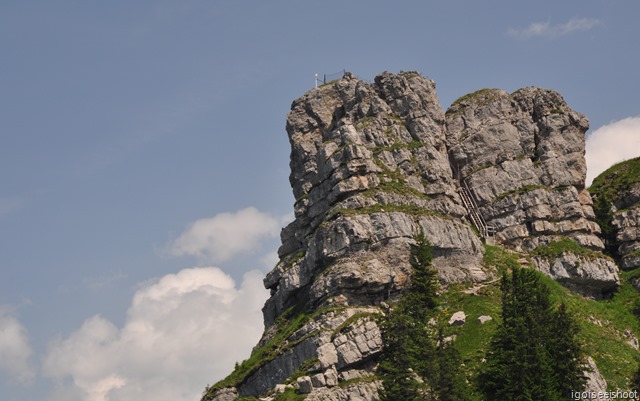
(566, 352)
(417, 365)
(635, 381)
(534, 355)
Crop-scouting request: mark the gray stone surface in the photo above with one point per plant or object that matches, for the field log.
(304, 384)
(375, 164)
(595, 382)
(458, 319)
(627, 224)
(226, 394)
(590, 276)
(522, 155)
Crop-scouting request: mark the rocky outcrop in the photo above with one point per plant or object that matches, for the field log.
(372, 166)
(369, 170)
(591, 276)
(595, 382)
(522, 157)
(627, 240)
(617, 194)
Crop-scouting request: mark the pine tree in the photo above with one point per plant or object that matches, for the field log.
(635, 381)
(568, 361)
(414, 365)
(451, 383)
(534, 355)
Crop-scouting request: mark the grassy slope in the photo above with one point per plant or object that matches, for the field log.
(615, 180)
(602, 323)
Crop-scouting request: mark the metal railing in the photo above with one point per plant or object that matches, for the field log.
(326, 78)
(485, 230)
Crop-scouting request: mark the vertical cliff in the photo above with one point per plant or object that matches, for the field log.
(375, 164)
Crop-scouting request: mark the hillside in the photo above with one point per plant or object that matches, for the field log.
(617, 205)
(495, 182)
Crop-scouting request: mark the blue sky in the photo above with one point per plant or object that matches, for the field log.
(144, 161)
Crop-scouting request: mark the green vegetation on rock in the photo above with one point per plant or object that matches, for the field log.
(482, 96)
(287, 323)
(616, 180)
(519, 191)
(608, 189)
(565, 245)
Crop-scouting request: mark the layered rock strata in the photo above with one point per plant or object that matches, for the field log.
(369, 170)
(372, 166)
(617, 193)
(521, 157)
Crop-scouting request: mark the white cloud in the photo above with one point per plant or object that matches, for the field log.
(14, 348)
(611, 144)
(548, 30)
(225, 235)
(182, 332)
(270, 259)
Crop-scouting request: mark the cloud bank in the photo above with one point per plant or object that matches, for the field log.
(181, 333)
(610, 144)
(546, 29)
(14, 348)
(220, 238)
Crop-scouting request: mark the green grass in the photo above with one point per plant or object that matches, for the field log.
(473, 338)
(614, 182)
(412, 210)
(482, 96)
(557, 248)
(365, 122)
(519, 191)
(289, 395)
(415, 144)
(605, 343)
(632, 254)
(616, 360)
(499, 259)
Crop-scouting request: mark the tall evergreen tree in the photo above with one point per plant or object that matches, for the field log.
(417, 365)
(534, 355)
(635, 381)
(567, 354)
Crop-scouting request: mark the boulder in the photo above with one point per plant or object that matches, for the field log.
(484, 319)
(457, 319)
(305, 385)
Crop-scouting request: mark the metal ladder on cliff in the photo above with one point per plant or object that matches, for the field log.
(486, 231)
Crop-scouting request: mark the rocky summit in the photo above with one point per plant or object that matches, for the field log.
(375, 164)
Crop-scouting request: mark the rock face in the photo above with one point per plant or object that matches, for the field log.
(369, 170)
(617, 194)
(586, 275)
(375, 164)
(522, 157)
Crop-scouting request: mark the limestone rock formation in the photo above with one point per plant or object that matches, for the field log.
(522, 157)
(372, 166)
(369, 170)
(617, 194)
